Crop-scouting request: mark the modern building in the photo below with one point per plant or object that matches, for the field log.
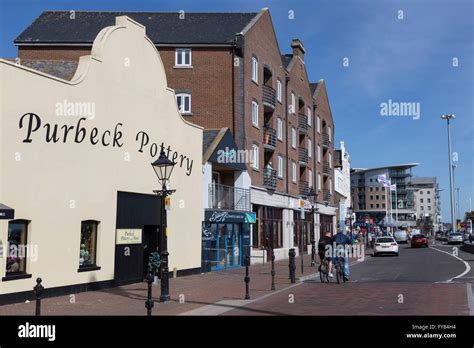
(374, 201)
(75, 170)
(228, 72)
(427, 203)
(342, 183)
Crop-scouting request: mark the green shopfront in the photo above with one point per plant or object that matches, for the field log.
(225, 239)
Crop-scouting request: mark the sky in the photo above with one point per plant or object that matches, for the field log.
(369, 52)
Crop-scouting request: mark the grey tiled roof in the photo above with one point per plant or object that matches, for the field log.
(286, 59)
(59, 68)
(208, 137)
(313, 87)
(161, 27)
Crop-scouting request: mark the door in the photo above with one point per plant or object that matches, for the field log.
(226, 250)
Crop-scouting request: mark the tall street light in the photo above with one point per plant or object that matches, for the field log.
(449, 117)
(163, 168)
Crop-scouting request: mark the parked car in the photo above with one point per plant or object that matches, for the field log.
(385, 245)
(440, 236)
(401, 236)
(419, 240)
(455, 238)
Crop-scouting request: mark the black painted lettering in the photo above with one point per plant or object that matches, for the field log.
(80, 131)
(144, 140)
(67, 129)
(94, 133)
(51, 135)
(34, 123)
(117, 136)
(103, 138)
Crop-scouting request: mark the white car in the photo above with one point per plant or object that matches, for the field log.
(385, 245)
(401, 236)
(455, 238)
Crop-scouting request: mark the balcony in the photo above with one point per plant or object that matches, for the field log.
(303, 157)
(326, 169)
(327, 196)
(270, 179)
(304, 188)
(303, 124)
(269, 139)
(269, 98)
(326, 141)
(228, 197)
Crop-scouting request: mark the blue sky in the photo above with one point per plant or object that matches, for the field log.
(405, 60)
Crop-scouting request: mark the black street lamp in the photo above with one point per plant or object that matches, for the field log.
(163, 168)
(312, 198)
(350, 211)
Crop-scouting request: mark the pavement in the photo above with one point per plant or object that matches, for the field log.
(422, 281)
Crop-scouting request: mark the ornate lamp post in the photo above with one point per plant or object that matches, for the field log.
(350, 211)
(163, 168)
(312, 198)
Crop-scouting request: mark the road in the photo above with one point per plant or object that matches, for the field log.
(421, 281)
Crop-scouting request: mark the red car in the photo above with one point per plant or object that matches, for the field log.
(419, 240)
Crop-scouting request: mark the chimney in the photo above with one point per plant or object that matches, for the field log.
(298, 48)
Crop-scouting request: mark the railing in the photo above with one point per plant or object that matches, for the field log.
(303, 123)
(326, 141)
(269, 96)
(303, 156)
(228, 197)
(303, 188)
(269, 138)
(326, 195)
(269, 178)
(326, 169)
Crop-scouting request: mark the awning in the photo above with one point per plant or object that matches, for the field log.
(6, 213)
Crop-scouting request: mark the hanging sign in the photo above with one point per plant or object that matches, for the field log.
(168, 203)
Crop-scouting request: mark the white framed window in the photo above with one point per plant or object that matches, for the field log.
(319, 182)
(255, 113)
(279, 94)
(330, 185)
(330, 160)
(310, 178)
(319, 153)
(318, 124)
(310, 148)
(279, 128)
(310, 117)
(255, 157)
(280, 166)
(293, 103)
(293, 171)
(184, 103)
(329, 133)
(293, 137)
(182, 57)
(254, 69)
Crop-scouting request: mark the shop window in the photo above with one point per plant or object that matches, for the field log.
(88, 247)
(184, 103)
(183, 57)
(17, 248)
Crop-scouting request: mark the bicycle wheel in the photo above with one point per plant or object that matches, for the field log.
(338, 272)
(323, 271)
(321, 275)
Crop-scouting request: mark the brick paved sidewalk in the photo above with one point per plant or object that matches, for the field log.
(187, 293)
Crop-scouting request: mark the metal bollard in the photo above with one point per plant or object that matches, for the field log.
(292, 265)
(313, 252)
(247, 278)
(149, 302)
(273, 270)
(38, 289)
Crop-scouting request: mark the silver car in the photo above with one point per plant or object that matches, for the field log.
(455, 238)
(401, 236)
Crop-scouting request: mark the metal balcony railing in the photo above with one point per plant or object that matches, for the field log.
(325, 138)
(269, 96)
(303, 188)
(269, 178)
(303, 124)
(326, 169)
(303, 156)
(327, 195)
(269, 138)
(228, 197)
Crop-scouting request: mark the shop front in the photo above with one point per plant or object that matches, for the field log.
(225, 239)
(80, 184)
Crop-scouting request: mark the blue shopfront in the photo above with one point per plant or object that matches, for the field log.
(225, 239)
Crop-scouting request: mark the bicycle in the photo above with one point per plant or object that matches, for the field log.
(324, 271)
(339, 265)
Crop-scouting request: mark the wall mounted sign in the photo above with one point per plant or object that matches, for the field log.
(6, 213)
(128, 236)
(226, 216)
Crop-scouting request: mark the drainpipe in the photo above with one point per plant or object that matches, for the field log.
(287, 79)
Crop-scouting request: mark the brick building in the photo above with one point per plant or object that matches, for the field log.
(227, 70)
